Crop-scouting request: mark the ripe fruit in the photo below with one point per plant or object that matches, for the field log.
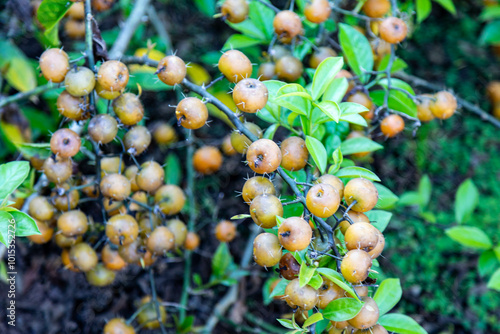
(191, 113)
(264, 209)
(235, 65)
(317, 11)
(45, 235)
(255, 186)
(58, 170)
(380, 49)
(128, 108)
(241, 142)
(350, 80)
(328, 292)
(79, 81)
(377, 329)
(110, 165)
(72, 107)
(423, 108)
(140, 197)
(115, 186)
(295, 234)
(266, 250)
(287, 25)
(91, 189)
(72, 223)
(207, 160)
(368, 316)
(321, 54)
(40, 208)
(322, 200)
(137, 140)
(361, 98)
(75, 29)
(118, 326)
(225, 231)
(263, 156)
(122, 230)
(65, 143)
(67, 262)
(164, 134)
(100, 276)
(54, 64)
(131, 174)
(170, 199)
(393, 30)
(362, 236)
(83, 256)
(332, 180)
(294, 153)
(103, 128)
(235, 11)
(113, 75)
(355, 266)
(376, 8)
(493, 91)
(111, 259)
(267, 71)
(444, 105)
(148, 317)
(132, 252)
(171, 70)
(289, 68)
(304, 297)
(355, 217)
(392, 125)
(179, 230)
(363, 191)
(66, 242)
(289, 268)
(227, 147)
(102, 5)
(150, 177)
(192, 241)
(379, 247)
(107, 94)
(250, 95)
(161, 240)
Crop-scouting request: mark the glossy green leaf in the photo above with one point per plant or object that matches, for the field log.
(354, 119)
(270, 131)
(318, 152)
(423, 9)
(360, 144)
(12, 175)
(305, 274)
(410, 198)
(25, 225)
(425, 190)
(400, 323)
(238, 41)
(353, 172)
(330, 109)
(51, 12)
(398, 101)
(316, 281)
(298, 104)
(16, 68)
(324, 75)
(379, 218)
(279, 289)
(350, 108)
(336, 278)
(313, 319)
(397, 65)
(262, 16)
(494, 282)
(40, 150)
(466, 201)
(342, 309)
(448, 5)
(337, 160)
(487, 263)
(386, 198)
(357, 50)
(207, 7)
(221, 260)
(286, 323)
(491, 33)
(249, 29)
(336, 90)
(388, 294)
(469, 236)
(490, 13)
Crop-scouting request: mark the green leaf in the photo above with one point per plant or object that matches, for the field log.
(207, 7)
(221, 260)
(336, 278)
(353, 172)
(286, 323)
(466, 201)
(360, 144)
(487, 263)
(238, 41)
(270, 131)
(494, 282)
(425, 190)
(398, 101)
(51, 36)
(12, 175)
(173, 170)
(318, 152)
(349, 108)
(324, 75)
(336, 90)
(29, 150)
(423, 9)
(241, 216)
(379, 218)
(410, 198)
(354, 119)
(491, 33)
(25, 225)
(342, 309)
(386, 198)
(337, 160)
(16, 68)
(330, 109)
(262, 16)
(316, 281)
(279, 289)
(397, 65)
(469, 236)
(51, 12)
(490, 13)
(305, 274)
(400, 323)
(249, 29)
(313, 319)
(299, 104)
(357, 50)
(448, 5)
(6, 220)
(388, 294)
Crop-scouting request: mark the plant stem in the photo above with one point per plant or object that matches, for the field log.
(155, 299)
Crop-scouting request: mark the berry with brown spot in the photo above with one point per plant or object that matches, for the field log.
(255, 186)
(368, 316)
(332, 180)
(263, 156)
(304, 297)
(113, 75)
(40, 208)
(328, 292)
(65, 143)
(170, 199)
(72, 223)
(355, 266)
(288, 267)
(393, 30)
(58, 170)
(72, 107)
(171, 70)
(362, 236)
(83, 256)
(376, 8)
(103, 128)
(115, 186)
(137, 140)
(128, 108)
(250, 95)
(191, 113)
(235, 11)
(295, 234)
(122, 230)
(287, 25)
(322, 200)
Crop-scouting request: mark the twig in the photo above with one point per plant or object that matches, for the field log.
(133, 21)
(23, 95)
(155, 299)
(353, 14)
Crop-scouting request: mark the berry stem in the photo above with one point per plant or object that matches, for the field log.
(155, 299)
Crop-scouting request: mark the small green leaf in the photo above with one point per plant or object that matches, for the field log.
(279, 221)
(388, 294)
(29, 150)
(279, 289)
(490, 13)
(491, 33)
(379, 218)
(357, 50)
(400, 323)
(51, 12)
(318, 152)
(425, 190)
(342, 309)
(397, 65)
(423, 9)
(25, 225)
(271, 131)
(466, 201)
(221, 260)
(12, 175)
(16, 68)
(262, 16)
(305, 274)
(386, 198)
(241, 216)
(313, 319)
(398, 101)
(410, 198)
(469, 236)
(286, 323)
(354, 119)
(298, 104)
(336, 90)
(316, 281)
(448, 5)
(238, 41)
(324, 75)
(353, 172)
(487, 263)
(173, 170)
(207, 7)
(358, 145)
(337, 160)
(336, 278)
(494, 282)
(350, 108)
(249, 29)
(330, 109)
